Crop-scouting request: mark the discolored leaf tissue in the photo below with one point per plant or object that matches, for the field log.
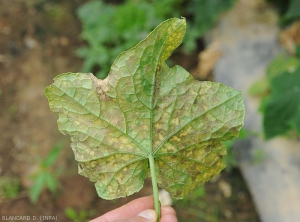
(146, 117)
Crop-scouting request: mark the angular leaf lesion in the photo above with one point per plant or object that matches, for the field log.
(181, 172)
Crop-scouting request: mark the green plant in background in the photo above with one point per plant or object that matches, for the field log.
(280, 89)
(109, 29)
(280, 96)
(75, 216)
(108, 32)
(196, 206)
(289, 10)
(281, 108)
(9, 187)
(192, 198)
(293, 11)
(46, 176)
(204, 15)
(146, 119)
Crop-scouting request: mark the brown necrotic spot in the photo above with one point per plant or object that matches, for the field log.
(101, 87)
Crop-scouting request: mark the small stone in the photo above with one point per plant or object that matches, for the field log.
(30, 42)
(225, 187)
(64, 41)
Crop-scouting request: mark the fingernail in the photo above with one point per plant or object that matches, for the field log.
(148, 214)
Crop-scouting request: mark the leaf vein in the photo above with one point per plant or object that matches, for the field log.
(132, 139)
(188, 122)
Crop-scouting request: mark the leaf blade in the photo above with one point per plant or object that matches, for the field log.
(184, 127)
(118, 124)
(86, 137)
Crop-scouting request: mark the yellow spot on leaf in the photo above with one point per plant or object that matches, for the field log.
(175, 139)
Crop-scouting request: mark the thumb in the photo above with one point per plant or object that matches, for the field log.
(150, 215)
(145, 216)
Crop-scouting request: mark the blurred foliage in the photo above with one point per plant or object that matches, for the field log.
(278, 65)
(110, 29)
(281, 63)
(289, 10)
(9, 187)
(196, 206)
(259, 88)
(205, 14)
(193, 197)
(280, 91)
(281, 109)
(46, 176)
(293, 11)
(75, 216)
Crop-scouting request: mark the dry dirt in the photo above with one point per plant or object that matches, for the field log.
(37, 42)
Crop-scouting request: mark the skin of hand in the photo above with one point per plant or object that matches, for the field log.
(139, 210)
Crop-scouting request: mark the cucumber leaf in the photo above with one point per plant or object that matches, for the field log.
(145, 111)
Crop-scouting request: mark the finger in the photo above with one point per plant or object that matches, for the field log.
(168, 214)
(145, 216)
(129, 210)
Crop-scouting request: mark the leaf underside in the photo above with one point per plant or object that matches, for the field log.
(145, 108)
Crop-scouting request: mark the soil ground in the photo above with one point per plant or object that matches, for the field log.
(37, 42)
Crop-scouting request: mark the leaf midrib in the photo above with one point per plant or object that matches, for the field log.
(158, 69)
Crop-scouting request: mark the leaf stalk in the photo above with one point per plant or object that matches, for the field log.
(154, 187)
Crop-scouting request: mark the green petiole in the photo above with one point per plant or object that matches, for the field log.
(154, 187)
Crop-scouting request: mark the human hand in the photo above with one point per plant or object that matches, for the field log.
(139, 210)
